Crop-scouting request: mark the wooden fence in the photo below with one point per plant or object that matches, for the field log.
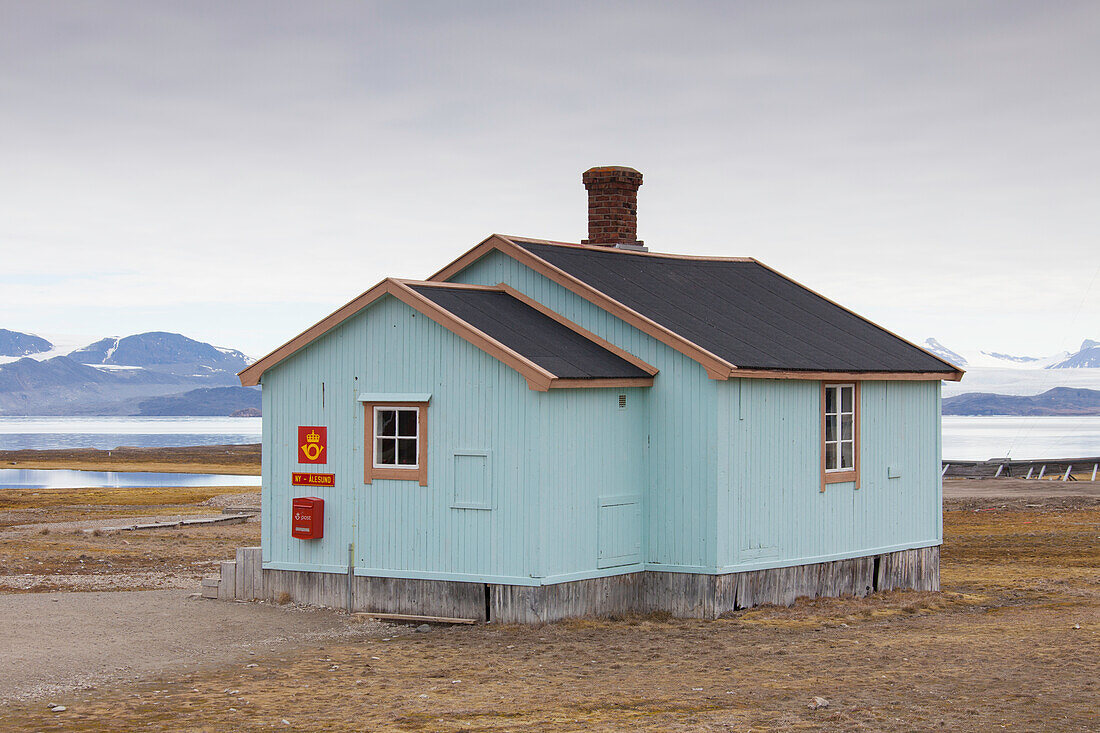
(1064, 469)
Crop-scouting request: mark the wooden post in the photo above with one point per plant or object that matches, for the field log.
(1029, 470)
(1065, 476)
(351, 572)
(1042, 471)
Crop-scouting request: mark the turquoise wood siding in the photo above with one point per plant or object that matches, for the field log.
(771, 509)
(595, 457)
(515, 476)
(678, 518)
(478, 406)
(525, 487)
(734, 466)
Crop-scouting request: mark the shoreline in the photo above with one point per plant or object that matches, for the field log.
(239, 460)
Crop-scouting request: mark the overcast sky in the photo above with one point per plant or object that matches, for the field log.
(235, 171)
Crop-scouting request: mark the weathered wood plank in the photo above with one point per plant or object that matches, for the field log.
(414, 617)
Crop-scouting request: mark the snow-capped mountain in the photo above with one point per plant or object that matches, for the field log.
(970, 358)
(163, 352)
(146, 374)
(1088, 357)
(1010, 374)
(14, 344)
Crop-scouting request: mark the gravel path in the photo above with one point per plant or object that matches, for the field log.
(51, 643)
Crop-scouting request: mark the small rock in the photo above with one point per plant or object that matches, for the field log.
(1077, 626)
(286, 722)
(455, 682)
(423, 629)
(819, 702)
(249, 666)
(57, 709)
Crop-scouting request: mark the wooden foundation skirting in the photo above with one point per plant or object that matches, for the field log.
(685, 595)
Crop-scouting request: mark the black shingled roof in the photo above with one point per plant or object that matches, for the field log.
(741, 311)
(556, 348)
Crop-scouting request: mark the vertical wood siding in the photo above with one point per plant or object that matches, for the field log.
(679, 519)
(772, 511)
(478, 405)
(725, 476)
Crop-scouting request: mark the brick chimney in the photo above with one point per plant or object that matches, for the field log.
(613, 206)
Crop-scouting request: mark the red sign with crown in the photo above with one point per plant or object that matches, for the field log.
(312, 444)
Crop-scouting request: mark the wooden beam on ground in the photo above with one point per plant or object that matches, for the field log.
(411, 617)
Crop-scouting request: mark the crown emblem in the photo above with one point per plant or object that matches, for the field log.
(313, 437)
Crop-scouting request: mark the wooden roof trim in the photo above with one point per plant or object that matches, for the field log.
(554, 315)
(958, 373)
(715, 366)
(537, 378)
(602, 382)
(250, 375)
(851, 376)
(448, 285)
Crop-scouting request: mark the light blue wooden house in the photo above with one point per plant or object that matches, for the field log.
(543, 430)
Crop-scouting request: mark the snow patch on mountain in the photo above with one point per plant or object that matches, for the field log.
(981, 358)
(1088, 357)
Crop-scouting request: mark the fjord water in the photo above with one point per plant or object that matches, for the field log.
(964, 438)
(1020, 438)
(107, 433)
(17, 478)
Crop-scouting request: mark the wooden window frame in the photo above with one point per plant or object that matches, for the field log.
(420, 472)
(837, 476)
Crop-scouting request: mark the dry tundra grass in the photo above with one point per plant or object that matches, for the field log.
(1012, 643)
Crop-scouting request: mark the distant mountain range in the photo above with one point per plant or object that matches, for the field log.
(1058, 401)
(1087, 357)
(154, 373)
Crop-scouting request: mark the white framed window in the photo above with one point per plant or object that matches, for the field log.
(395, 440)
(396, 437)
(839, 433)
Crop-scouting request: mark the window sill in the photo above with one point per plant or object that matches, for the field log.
(397, 474)
(840, 477)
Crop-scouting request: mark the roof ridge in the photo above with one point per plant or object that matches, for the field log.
(599, 248)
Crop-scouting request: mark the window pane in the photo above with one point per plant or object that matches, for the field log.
(830, 399)
(386, 422)
(846, 427)
(406, 423)
(846, 399)
(387, 450)
(406, 451)
(830, 427)
(830, 455)
(846, 455)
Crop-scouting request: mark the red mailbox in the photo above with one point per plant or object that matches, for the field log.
(307, 520)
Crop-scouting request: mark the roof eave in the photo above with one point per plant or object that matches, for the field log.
(837, 376)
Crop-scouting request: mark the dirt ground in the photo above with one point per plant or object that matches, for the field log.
(44, 545)
(1012, 642)
(49, 646)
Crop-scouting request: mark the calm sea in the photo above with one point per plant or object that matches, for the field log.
(964, 438)
(1021, 438)
(17, 433)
